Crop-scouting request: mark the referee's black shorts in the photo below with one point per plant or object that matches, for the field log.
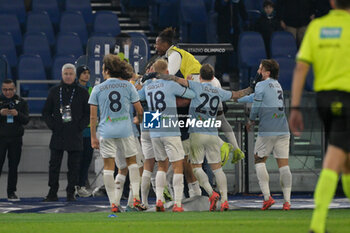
(334, 110)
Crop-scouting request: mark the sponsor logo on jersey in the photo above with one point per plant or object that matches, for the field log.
(330, 32)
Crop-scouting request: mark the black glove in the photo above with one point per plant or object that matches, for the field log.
(145, 77)
(255, 80)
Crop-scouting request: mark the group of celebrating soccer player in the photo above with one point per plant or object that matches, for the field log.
(185, 145)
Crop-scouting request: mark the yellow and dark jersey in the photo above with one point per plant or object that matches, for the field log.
(326, 45)
(189, 64)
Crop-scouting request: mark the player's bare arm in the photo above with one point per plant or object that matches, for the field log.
(139, 110)
(241, 93)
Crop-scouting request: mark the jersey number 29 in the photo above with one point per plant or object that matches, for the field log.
(213, 104)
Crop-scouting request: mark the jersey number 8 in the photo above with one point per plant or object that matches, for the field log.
(115, 104)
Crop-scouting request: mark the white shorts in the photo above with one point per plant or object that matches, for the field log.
(204, 144)
(118, 148)
(146, 145)
(168, 147)
(121, 163)
(279, 145)
(186, 146)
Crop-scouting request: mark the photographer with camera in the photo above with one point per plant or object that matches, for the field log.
(13, 115)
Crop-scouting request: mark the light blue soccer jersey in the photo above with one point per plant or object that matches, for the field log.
(134, 127)
(246, 99)
(113, 97)
(204, 107)
(268, 105)
(161, 96)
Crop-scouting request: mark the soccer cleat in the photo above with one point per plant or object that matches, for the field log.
(286, 206)
(160, 206)
(237, 155)
(213, 199)
(139, 205)
(177, 208)
(115, 208)
(225, 151)
(224, 206)
(267, 204)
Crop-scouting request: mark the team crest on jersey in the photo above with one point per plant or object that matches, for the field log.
(152, 120)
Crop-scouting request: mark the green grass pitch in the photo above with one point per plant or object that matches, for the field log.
(241, 221)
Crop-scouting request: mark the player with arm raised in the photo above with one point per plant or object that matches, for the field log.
(204, 140)
(273, 133)
(183, 64)
(113, 98)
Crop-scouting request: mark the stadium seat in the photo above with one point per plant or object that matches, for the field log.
(106, 22)
(50, 6)
(286, 72)
(40, 22)
(193, 21)
(37, 43)
(36, 106)
(251, 50)
(93, 63)
(3, 69)
(8, 73)
(74, 22)
(141, 40)
(31, 67)
(9, 23)
(283, 44)
(164, 13)
(8, 48)
(82, 60)
(14, 7)
(139, 52)
(57, 64)
(253, 16)
(68, 43)
(84, 6)
(101, 41)
(253, 4)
